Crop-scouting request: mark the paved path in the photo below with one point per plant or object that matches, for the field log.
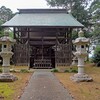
(45, 86)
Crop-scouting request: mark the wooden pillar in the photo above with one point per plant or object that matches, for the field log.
(56, 47)
(70, 43)
(17, 32)
(56, 40)
(42, 48)
(14, 31)
(67, 35)
(14, 59)
(28, 45)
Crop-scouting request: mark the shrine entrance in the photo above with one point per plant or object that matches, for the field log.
(42, 57)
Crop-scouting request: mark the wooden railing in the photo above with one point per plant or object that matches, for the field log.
(42, 63)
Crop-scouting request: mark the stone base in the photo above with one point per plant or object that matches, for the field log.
(7, 77)
(81, 78)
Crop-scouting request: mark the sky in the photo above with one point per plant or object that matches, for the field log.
(17, 4)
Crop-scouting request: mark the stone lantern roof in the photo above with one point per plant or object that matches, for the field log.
(81, 39)
(7, 39)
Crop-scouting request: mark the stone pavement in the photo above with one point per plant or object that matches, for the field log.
(44, 85)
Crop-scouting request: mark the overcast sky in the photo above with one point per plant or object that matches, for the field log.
(15, 4)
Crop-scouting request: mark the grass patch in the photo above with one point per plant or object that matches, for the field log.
(6, 91)
(66, 69)
(24, 71)
(13, 90)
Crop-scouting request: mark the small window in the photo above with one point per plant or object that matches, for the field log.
(5, 46)
(82, 46)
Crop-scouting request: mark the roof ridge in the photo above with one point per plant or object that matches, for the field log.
(42, 10)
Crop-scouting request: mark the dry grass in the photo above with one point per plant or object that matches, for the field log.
(20, 84)
(83, 90)
(16, 87)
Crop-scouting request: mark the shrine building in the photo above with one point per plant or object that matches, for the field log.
(43, 37)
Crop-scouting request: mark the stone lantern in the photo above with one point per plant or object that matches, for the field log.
(6, 53)
(81, 54)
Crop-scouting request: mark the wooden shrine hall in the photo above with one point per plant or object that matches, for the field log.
(43, 37)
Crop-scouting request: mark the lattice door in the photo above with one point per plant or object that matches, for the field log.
(63, 55)
(21, 54)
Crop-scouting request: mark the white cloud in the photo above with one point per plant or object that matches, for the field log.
(14, 4)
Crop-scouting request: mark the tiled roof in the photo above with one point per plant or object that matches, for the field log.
(46, 18)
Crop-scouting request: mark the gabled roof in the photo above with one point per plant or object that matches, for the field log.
(43, 18)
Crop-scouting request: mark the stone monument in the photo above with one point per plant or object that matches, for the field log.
(6, 53)
(81, 54)
(74, 60)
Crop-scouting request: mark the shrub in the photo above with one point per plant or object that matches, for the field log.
(74, 71)
(66, 71)
(54, 70)
(71, 70)
(96, 56)
(12, 70)
(24, 71)
(0, 70)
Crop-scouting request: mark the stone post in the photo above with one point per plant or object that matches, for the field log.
(81, 53)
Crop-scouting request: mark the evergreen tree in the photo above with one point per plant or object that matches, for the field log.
(5, 15)
(96, 56)
(78, 8)
(95, 12)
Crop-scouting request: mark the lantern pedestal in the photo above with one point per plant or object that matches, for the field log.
(7, 77)
(81, 78)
